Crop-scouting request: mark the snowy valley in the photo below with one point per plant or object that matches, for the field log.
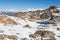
(31, 25)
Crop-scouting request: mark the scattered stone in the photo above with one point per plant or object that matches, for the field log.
(17, 33)
(58, 29)
(26, 26)
(24, 39)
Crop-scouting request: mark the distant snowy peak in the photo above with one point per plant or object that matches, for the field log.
(32, 9)
(9, 10)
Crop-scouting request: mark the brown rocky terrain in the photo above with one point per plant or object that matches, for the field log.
(43, 34)
(5, 20)
(31, 29)
(38, 14)
(5, 37)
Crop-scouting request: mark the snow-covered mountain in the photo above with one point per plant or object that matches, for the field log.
(24, 26)
(9, 11)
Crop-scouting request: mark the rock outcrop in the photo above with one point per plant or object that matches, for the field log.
(6, 20)
(38, 14)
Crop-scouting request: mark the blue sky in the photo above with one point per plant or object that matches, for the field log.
(26, 4)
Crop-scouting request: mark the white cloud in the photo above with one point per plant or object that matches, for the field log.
(9, 10)
(32, 9)
(14, 10)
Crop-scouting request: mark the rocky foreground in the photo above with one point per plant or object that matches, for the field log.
(24, 26)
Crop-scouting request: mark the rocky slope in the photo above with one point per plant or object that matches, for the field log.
(38, 14)
(23, 26)
(6, 20)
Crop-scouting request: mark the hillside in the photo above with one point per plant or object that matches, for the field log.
(38, 14)
(6, 20)
(31, 25)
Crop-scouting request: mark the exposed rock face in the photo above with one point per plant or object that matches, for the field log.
(10, 37)
(56, 11)
(58, 29)
(38, 14)
(27, 26)
(44, 16)
(43, 34)
(19, 14)
(32, 15)
(52, 8)
(5, 20)
(23, 39)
